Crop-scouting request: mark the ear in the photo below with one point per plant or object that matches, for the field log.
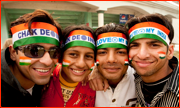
(170, 51)
(12, 52)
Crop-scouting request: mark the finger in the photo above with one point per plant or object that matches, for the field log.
(100, 84)
(94, 81)
(106, 85)
(91, 85)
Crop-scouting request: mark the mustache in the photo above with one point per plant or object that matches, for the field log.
(144, 60)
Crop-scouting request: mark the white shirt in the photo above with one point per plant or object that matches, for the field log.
(123, 96)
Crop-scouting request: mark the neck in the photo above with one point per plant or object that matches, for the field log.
(24, 82)
(114, 82)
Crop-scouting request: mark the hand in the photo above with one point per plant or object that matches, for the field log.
(97, 81)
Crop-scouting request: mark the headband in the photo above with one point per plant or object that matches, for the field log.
(80, 38)
(42, 33)
(111, 40)
(149, 30)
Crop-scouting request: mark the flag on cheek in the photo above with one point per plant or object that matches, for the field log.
(24, 60)
(130, 59)
(92, 66)
(66, 63)
(162, 54)
(97, 62)
(126, 62)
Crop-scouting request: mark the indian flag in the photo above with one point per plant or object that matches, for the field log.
(97, 62)
(92, 66)
(126, 62)
(66, 63)
(162, 54)
(24, 60)
(130, 59)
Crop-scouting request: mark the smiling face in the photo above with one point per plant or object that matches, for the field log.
(80, 61)
(146, 58)
(38, 71)
(111, 63)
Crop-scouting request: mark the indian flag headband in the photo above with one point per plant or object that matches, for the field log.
(149, 30)
(79, 38)
(111, 40)
(42, 33)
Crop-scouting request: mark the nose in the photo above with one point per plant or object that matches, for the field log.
(46, 59)
(80, 63)
(111, 58)
(143, 52)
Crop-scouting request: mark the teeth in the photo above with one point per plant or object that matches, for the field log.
(78, 71)
(42, 70)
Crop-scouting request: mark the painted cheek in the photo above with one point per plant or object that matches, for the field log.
(126, 62)
(66, 63)
(23, 60)
(162, 54)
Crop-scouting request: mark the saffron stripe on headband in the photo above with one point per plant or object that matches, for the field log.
(111, 40)
(34, 25)
(149, 30)
(80, 38)
(40, 35)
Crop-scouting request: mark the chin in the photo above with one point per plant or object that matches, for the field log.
(42, 82)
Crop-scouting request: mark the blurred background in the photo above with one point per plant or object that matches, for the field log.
(92, 13)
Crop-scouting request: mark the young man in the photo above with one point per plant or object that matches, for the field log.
(30, 60)
(112, 58)
(151, 53)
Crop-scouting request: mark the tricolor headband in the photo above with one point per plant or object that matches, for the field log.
(149, 30)
(111, 40)
(42, 33)
(80, 38)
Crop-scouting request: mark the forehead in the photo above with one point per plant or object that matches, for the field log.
(81, 49)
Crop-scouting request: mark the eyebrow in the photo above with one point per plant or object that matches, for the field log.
(155, 41)
(78, 51)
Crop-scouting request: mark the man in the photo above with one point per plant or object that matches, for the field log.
(112, 57)
(30, 60)
(151, 53)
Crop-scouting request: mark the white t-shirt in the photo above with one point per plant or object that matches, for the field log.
(123, 96)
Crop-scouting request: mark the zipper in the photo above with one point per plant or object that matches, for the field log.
(64, 104)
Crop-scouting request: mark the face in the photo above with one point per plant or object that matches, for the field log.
(111, 63)
(146, 60)
(81, 60)
(40, 69)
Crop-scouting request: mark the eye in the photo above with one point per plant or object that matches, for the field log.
(133, 45)
(89, 56)
(122, 52)
(155, 45)
(73, 54)
(101, 52)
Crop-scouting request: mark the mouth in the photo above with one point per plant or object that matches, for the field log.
(112, 69)
(78, 71)
(43, 71)
(143, 63)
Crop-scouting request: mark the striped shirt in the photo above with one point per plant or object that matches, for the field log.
(169, 96)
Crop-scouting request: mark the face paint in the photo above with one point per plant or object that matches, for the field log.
(24, 60)
(126, 62)
(162, 54)
(130, 59)
(66, 63)
(92, 66)
(97, 62)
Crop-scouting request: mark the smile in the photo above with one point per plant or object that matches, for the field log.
(78, 71)
(143, 64)
(42, 70)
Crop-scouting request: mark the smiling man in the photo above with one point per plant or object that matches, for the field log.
(151, 53)
(112, 56)
(31, 59)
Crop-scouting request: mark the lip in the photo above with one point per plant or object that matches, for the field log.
(143, 63)
(43, 73)
(79, 73)
(111, 70)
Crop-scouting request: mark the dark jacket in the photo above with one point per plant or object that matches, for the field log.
(12, 94)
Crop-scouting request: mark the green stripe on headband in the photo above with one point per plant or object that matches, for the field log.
(35, 39)
(79, 43)
(151, 36)
(112, 45)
